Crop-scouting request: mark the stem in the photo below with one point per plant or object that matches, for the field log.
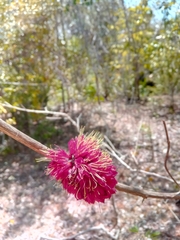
(146, 193)
(23, 138)
(62, 114)
(167, 154)
(41, 149)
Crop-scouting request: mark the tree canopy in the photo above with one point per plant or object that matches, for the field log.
(55, 52)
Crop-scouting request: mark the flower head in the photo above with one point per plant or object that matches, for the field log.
(86, 170)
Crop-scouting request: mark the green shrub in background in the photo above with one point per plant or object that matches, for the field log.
(45, 131)
(54, 53)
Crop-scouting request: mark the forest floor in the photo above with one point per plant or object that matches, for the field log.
(33, 207)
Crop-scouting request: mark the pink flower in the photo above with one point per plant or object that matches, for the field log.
(85, 171)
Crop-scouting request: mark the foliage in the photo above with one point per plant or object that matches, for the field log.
(154, 235)
(134, 229)
(51, 132)
(57, 52)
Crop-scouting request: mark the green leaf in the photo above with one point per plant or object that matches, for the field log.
(134, 229)
(152, 234)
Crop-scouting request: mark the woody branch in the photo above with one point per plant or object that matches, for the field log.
(42, 149)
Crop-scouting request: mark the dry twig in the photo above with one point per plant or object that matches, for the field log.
(173, 213)
(167, 155)
(98, 228)
(62, 114)
(115, 153)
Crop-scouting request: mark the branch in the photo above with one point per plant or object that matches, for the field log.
(146, 193)
(98, 228)
(173, 213)
(115, 153)
(23, 138)
(167, 154)
(41, 112)
(41, 149)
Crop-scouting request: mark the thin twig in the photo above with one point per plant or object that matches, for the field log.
(41, 112)
(173, 213)
(78, 122)
(136, 144)
(114, 153)
(153, 174)
(115, 211)
(167, 155)
(121, 161)
(98, 228)
(43, 237)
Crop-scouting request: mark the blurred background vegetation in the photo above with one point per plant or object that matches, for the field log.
(55, 53)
